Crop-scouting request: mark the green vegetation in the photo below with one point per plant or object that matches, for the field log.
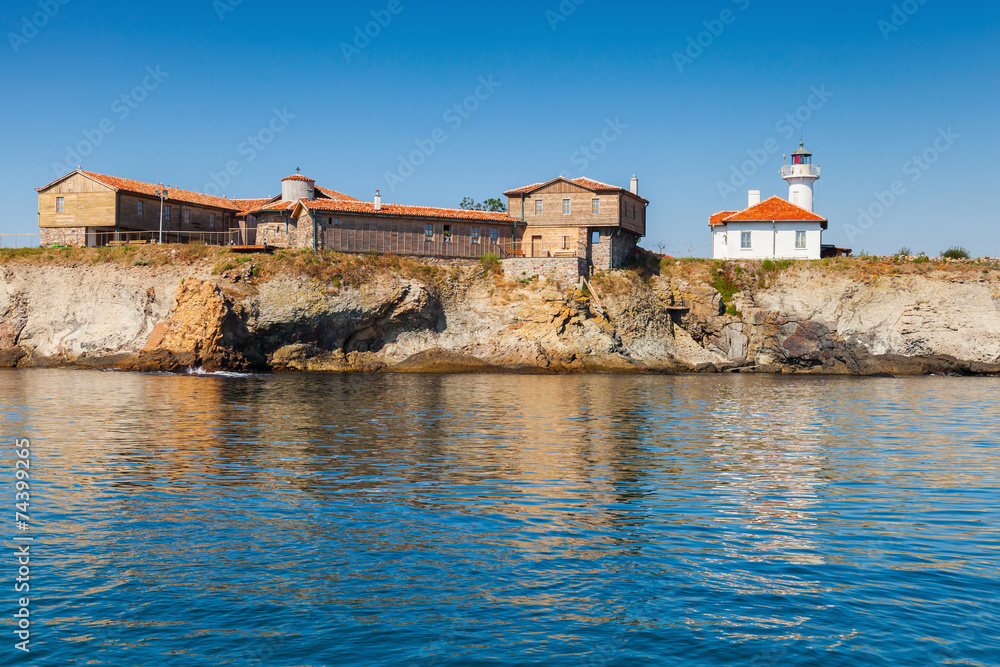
(725, 286)
(956, 252)
(904, 252)
(491, 264)
(493, 205)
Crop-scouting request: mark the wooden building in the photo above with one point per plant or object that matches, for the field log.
(584, 221)
(302, 219)
(579, 218)
(84, 208)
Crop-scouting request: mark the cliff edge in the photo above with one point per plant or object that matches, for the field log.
(173, 309)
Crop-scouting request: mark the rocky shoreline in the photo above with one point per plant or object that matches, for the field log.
(464, 318)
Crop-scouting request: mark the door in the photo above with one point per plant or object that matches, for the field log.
(536, 246)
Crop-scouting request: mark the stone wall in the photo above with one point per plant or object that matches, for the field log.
(565, 270)
(72, 236)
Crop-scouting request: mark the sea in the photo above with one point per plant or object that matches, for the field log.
(498, 520)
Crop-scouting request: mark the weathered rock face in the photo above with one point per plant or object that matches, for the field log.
(172, 318)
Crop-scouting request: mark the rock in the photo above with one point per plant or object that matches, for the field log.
(443, 361)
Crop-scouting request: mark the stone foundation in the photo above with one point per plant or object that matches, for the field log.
(71, 236)
(565, 270)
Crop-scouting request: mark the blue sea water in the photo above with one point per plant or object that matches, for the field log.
(587, 521)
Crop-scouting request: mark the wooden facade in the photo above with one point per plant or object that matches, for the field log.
(80, 204)
(582, 218)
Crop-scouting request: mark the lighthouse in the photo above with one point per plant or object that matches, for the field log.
(801, 174)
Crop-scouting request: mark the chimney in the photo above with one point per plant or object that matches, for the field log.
(754, 198)
(635, 185)
(378, 200)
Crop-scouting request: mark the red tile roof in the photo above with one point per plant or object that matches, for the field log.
(333, 194)
(298, 177)
(348, 206)
(250, 204)
(774, 209)
(588, 183)
(719, 217)
(176, 194)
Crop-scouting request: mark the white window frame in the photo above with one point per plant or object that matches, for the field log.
(596, 206)
(60, 204)
(567, 206)
(805, 240)
(746, 240)
(539, 207)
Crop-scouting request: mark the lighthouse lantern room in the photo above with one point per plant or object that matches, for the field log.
(801, 174)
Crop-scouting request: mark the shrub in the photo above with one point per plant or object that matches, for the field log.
(905, 251)
(955, 252)
(491, 263)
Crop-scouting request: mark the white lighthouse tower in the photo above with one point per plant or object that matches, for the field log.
(801, 174)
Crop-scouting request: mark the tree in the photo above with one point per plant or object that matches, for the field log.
(493, 205)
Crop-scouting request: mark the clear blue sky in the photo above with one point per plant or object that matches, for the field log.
(563, 75)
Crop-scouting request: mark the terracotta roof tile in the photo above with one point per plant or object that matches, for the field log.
(774, 209)
(587, 183)
(333, 194)
(395, 210)
(176, 194)
(298, 177)
(719, 217)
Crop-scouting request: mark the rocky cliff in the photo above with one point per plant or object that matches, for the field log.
(849, 317)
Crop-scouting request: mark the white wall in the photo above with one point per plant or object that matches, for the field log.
(768, 240)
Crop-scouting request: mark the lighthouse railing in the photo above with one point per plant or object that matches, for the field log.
(800, 170)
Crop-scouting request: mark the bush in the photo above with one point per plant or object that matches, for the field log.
(955, 252)
(491, 263)
(905, 251)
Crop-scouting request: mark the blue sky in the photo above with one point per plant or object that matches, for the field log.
(871, 85)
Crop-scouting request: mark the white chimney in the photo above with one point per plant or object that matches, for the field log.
(378, 200)
(635, 185)
(754, 198)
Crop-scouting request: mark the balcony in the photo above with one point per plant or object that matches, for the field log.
(806, 170)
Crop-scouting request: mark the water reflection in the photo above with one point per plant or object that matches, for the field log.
(459, 520)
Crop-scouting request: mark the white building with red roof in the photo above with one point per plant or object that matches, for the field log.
(775, 228)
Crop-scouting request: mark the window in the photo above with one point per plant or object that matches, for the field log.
(167, 213)
(800, 240)
(60, 204)
(565, 207)
(596, 206)
(595, 238)
(187, 217)
(428, 232)
(565, 243)
(745, 241)
(211, 220)
(475, 234)
(447, 233)
(140, 209)
(494, 237)
(538, 207)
